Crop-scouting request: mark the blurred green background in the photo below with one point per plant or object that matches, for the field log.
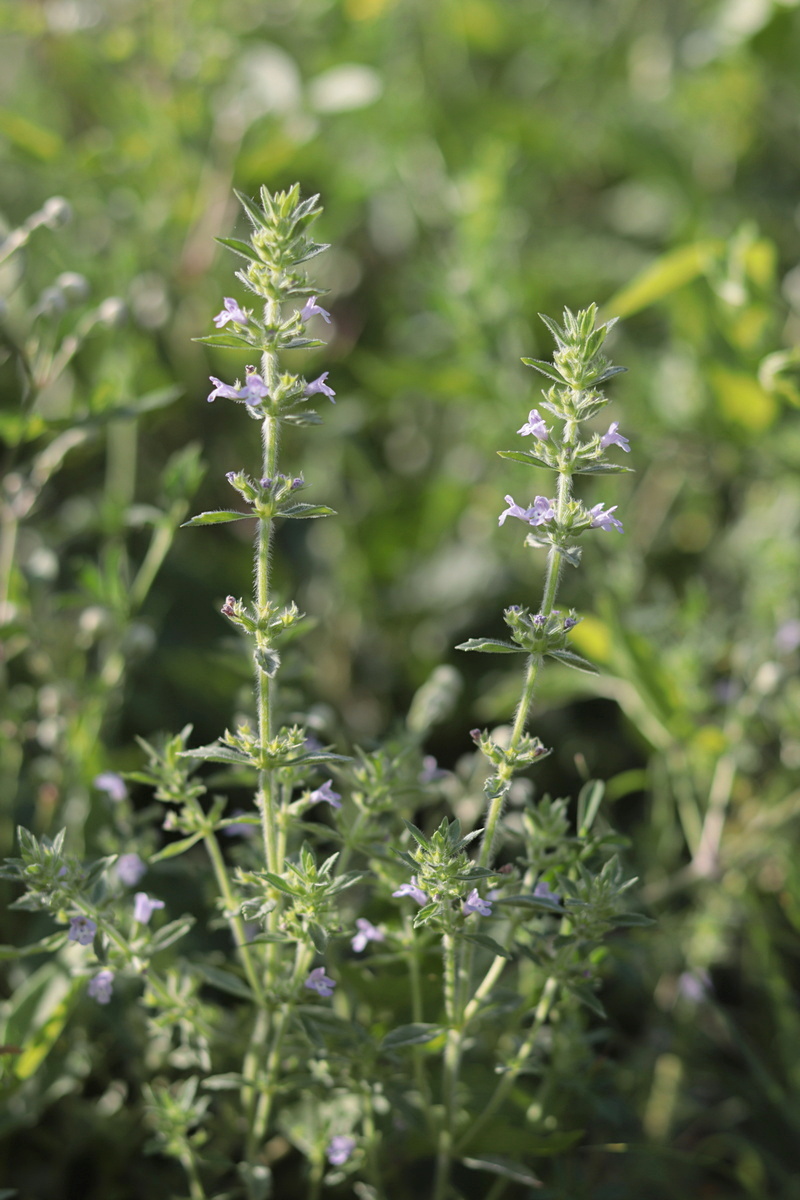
(479, 162)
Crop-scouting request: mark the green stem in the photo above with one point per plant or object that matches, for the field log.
(234, 919)
(510, 1077)
(196, 1189)
(450, 1068)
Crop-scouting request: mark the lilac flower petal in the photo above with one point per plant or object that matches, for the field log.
(130, 869)
(326, 793)
(311, 309)
(100, 986)
(319, 385)
(144, 907)
(411, 889)
(231, 312)
(604, 520)
(475, 904)
(222, 389)
(535, 426)
(82, 930)
(112, 784)
(320, 983)
(339, 1149)
(367, 932)
(612, 438)
(545, 892)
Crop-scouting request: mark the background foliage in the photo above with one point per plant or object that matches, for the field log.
(479, 162)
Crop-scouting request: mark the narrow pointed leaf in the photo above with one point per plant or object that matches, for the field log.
(416, 1034)
(525, 456)
(176, 848)
(243, 248)
(569, 659)
(224, 981)
(544, 368)
(220, 516)
(304, 511)
(491, 646)
(497, 1164)
(488, 943)
(227, 341)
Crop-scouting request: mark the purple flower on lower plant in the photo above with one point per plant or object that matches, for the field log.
(253, 392)
(82, 930)
(537, 513)
(319, 385)
(325, 793)
(112, 784)
(535, 426)
(320, 983)
(431, 771)
(311, 309)
(367, 932)
(339, 1149)
(475, 904)
(231, 312)
(411, 889)
(612, 438)
(144, 907)
(100, 987)
(544, 892)
(130, 869)
(604, 520)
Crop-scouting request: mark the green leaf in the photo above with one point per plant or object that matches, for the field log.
(416, 1034)
(224, 981)
(223, 1083)
(219, 517)
(176, 848)
(525, 456)
(542, 1145)
(417, 835)
(491, 646)
(170, 933)
(277, 882)
(582, 992)
(488, 943)
(666, 275)
(46, 946)
(238, 247)
(37, 1014)
(601, 468)
(228, 341)
(542, 903)
(589, 801)
(570, 659)
(217, 753)
(306, 510)
(630, 919)
(497, 1164)
(545, 368)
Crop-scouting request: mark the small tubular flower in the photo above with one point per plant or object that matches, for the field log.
(604, 520)
(112, 784)
(311, 309)
(411, 889)
(325, 793)
(339, 1149)
(82, 930)
(475, 904)
(100, 987)
(144, 907)
(320, 983)
(535, 426)
(367, 932)
(319, 385)
(231, 312)
(612, 438)
(130, 869)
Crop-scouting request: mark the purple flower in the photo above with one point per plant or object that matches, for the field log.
(221, 389)
(535, 426)
(339, 1149)
(612, 438)
(130, 869)
(570, 623)
(474, 904)
(695, 986)
(82, 930)
(431, 770)
(100, 987)
(411, 889)
(227, 609)
(536, 514)
(787, 638)
(231, 312)
(239, 828)
(604, 520)
(545, 892)
(366, 933)
(319, 385)
(311, 308)
(144, 907)
(112, 784)
(326, 793)
(539, 621)
(319, 982)
(253, 392)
